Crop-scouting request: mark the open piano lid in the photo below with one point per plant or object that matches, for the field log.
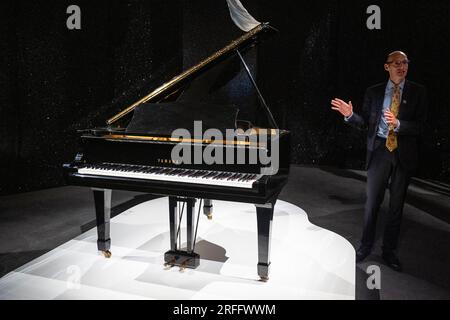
(163, 118)
(165, 90)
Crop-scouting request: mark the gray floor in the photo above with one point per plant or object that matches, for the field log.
(36, 222)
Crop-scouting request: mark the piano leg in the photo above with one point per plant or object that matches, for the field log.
(177, 257)
(264, 214)
(208, 208)
(102, 199)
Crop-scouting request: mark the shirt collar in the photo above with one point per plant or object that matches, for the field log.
(390, 85)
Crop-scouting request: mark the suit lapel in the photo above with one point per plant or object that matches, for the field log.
(379, 98)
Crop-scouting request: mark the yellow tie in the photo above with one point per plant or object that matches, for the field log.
(391, 141)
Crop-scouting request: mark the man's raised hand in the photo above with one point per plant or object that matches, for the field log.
(346, 109)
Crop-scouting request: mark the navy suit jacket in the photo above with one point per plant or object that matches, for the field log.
(412, 117)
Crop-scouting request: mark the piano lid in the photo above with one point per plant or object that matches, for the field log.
(181, 115)
(177, 82)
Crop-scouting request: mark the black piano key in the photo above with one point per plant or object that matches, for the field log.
(193, 172)
(209, 175)
(221, 176)
(236, 177)
(244, 177)
(169, 171)
(202, 173)
(217, 176)
(184, 173)
(214, 174)
(229, 174)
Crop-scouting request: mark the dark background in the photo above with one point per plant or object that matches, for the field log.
(54, 81)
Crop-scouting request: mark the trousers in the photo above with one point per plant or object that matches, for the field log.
(384, 171)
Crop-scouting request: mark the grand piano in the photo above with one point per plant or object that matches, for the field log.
(169, 144)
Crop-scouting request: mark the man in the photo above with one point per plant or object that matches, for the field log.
(394, 114)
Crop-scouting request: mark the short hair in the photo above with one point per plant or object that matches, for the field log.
(394, 53)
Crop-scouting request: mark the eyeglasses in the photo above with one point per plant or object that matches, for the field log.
(398, 64)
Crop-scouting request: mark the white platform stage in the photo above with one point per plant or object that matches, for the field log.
(308, 262)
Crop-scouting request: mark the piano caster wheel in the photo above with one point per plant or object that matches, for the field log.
(264, 279)
(107, 253)
(208, 209)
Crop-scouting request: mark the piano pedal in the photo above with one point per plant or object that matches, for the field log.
(209, 216)
(170, 264)
(107, 254)
(183, 265)
(182, 259)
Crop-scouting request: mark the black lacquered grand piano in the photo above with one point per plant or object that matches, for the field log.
(192, 152)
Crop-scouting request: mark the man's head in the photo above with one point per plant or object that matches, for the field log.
(397, 66)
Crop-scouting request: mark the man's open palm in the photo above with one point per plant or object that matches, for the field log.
(346, 109)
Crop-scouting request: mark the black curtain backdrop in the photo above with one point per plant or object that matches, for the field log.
(54, 81)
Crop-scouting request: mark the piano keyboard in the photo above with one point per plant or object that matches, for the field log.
(218, 178)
